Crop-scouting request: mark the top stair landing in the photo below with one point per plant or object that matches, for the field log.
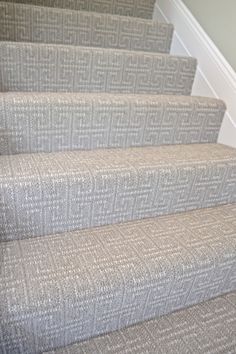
(135, 8)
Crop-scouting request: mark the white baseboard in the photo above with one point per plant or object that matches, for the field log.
(214, 76)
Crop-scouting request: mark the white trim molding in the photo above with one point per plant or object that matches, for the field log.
(214, 76)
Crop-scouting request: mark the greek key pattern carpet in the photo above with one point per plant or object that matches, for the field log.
(58, 289)
(44, 67)
(136, 8)
(27, 23)
(213, 321)
(56, 192)
(117, 204)
(52, 122)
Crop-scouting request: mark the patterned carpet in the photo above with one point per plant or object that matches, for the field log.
(117, 204)
(105, 120)
(205, 328)
(88, 282)
(57, 192)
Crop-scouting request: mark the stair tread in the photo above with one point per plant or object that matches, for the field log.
(139, 53)
(84, 283)
(51, 122)
(136, 8)
(75, 162)
(52, 25)
(46, 193)
(79, 95)
(208, 327)
(54, 67)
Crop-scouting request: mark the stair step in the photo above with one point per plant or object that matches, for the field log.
(49, 122)
(136, 8)
(20, 22)
(46, 193)
(205, 328)
(64, 288)
(44, 67)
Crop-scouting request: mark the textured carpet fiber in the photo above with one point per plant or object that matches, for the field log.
(59, 121)
(58, 289)
(47, 25)
(207, 328)
(56, 192)
(44, 67)
(117, 205)
(136, 8)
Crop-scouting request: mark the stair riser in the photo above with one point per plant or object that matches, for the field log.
(181, 331)
(46, 25)
(49, 197)
(57, 122)
(38, 67)
(69, 327)
(136, 8)
(86, 284)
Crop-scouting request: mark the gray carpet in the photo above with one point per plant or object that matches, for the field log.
(117, 205)
(47, 25)
(207, 328)
(57, 192)
(52, 122)
(136, 8)
(58, 289)
(48, 67)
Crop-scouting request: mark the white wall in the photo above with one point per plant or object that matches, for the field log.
(214, 77)
(218, 19)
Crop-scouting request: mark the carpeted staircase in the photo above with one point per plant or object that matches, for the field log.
(117, 205)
